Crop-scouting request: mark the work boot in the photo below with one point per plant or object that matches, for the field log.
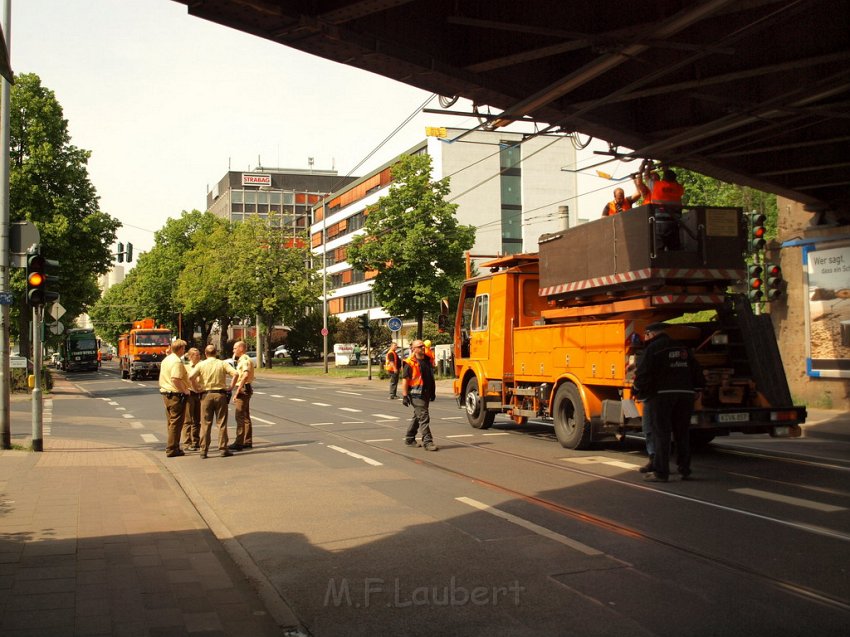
(411, 442)
(430, 446)
(647, 467)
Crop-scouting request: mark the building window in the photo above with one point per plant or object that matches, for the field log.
(510, 182)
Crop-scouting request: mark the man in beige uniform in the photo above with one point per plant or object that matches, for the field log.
(242, 390)
(192, 425)
(174, 387)
(213, 375)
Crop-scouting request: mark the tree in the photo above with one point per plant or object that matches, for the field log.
(413, 241)
(272, 275)
(49, 185)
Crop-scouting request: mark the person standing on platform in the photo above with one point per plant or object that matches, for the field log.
(242, 390)
(174, 388)
(213, 373)
(392, 365)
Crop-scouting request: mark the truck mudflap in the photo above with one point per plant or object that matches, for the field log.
(776, 421)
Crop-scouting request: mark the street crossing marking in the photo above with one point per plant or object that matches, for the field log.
(321, 424)
(385, 416)
(120, 409)
(501, 433)
(260, 393)
(268, 422)
(321, 404)
(350, 409)
(350, 393)
(127, 416)
(276, 396)
(380, 440)
(365, 459)
(298, 400)
(531, 526)
(137, 425)
(352, 422)
(150, 438)
(787, 499)
(460, 436)
(111, 402)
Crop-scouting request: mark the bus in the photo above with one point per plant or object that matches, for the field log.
(78, 350)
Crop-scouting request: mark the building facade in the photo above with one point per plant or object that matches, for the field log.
(282, 196)
(511, 188)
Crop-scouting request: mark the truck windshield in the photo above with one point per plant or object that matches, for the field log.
(153, 339)
(83, 343)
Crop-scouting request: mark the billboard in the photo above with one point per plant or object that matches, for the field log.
(827, 284)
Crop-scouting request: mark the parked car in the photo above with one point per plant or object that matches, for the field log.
(380, 357)
(281, 351)
(251, 355)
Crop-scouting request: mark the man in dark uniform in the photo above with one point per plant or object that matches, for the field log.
(667, 379)
(418, 389)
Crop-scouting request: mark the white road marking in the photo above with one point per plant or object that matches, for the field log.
(320, 424)
(452, 418)
(531, 526)
(501, 433)
(276, 396)
(602, 460)
(350, 409)
(150, 438)
(112, 402)
(107, 399)
(385, 416)
(352, 422)
(298, 400)
(260, 393)
(321, 404)
(787, 499)
(136, 425)
(268, 422)
(308, 388)
(120, 409)
(460, 436)
(127, 416)
(380, 440)
(374, 463)
(350, 393)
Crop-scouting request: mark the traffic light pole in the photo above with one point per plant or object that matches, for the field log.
(37, 405)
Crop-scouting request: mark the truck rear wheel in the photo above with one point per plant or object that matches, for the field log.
(476, 413)
(571, 424)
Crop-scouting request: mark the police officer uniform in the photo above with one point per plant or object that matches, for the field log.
(213, 375)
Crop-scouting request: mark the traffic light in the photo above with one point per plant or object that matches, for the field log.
(38, 279)
(757, 231)
(129, 252)
(773, 281)
(120, 254)
(754, 283)
(364, 321)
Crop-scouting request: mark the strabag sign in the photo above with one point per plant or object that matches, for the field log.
(249, 179)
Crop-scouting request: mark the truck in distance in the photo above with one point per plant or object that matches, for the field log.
(141, 350)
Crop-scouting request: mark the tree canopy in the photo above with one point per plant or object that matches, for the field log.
(49, 186)
(413, 242)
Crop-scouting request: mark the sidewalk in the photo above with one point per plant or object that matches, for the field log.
(99, 540)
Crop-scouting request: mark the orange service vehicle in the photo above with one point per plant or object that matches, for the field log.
(141, 350)
(555, 336)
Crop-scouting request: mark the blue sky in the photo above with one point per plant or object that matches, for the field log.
(167, 103)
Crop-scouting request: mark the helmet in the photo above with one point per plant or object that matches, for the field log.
(427, 343)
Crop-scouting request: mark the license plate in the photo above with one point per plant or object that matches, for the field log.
(743, 417)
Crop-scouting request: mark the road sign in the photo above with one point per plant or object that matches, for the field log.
(57, 327)
(394, 324)
(17, 362)
(324, 331)
(56, 311)
(7, 298)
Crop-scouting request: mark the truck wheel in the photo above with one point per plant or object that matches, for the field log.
(476, 414)
(571, 425)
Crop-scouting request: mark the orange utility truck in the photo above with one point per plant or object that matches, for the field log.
(141, 350)
(556, 335)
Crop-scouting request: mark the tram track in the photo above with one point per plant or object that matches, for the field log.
(588, 517)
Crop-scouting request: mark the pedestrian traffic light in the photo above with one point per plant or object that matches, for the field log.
(757, 231)
(755, 283)
(364, 321)
(38, 279)
(129, 252)
(120, 254)
(773, 281)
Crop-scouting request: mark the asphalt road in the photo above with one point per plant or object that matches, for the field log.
(500, 531)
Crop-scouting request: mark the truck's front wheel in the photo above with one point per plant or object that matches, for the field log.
(476, 413)
(571, 424)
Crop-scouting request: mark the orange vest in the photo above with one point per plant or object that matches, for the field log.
(415, 383)
(392, 362)
(667, 193)
(612, 207)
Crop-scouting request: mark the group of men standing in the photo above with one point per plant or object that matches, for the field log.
(197, 394)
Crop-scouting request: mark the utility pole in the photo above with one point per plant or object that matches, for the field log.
(5, 104)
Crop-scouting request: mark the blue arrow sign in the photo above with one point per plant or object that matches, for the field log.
(394, 324)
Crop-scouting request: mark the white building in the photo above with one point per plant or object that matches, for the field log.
(511, 190)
